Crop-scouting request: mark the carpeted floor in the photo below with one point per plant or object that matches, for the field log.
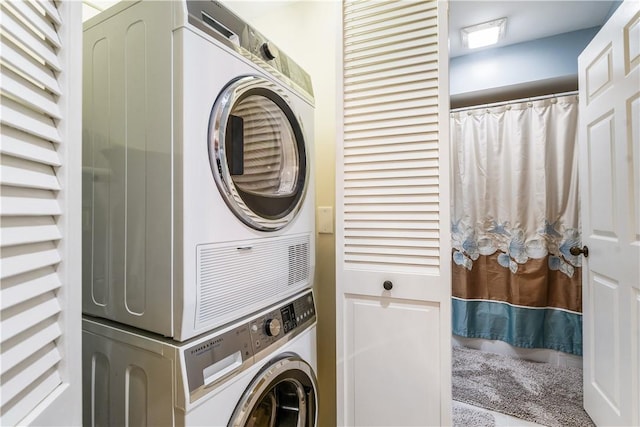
(536, 392)
(464, 416)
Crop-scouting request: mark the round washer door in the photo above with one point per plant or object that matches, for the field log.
(257, 153)
(283, 394)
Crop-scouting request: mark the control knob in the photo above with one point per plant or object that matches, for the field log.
(272, 327)
(269, 51)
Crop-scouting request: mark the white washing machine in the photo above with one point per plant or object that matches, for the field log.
(198, 189)
(260, 371)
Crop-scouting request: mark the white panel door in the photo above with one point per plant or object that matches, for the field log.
(610, 192)
(392, 236)
(40, 175)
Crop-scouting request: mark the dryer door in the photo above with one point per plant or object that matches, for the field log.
(283, 394)
(257, 153)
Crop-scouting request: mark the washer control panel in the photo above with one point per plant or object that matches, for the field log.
(213, 359)
(282, 321)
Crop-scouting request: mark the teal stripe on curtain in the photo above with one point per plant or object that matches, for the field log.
(519, 326)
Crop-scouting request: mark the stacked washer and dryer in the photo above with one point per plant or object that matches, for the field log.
(198, 222)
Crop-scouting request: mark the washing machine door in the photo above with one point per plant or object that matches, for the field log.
(257, 153)
(283, 394)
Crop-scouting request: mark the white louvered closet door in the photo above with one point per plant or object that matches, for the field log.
(40, 174)
(393, 241)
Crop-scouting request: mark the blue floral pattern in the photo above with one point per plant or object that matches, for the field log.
(551, 238)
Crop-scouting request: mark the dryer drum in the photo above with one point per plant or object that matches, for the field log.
(283, 394)
(257, 153)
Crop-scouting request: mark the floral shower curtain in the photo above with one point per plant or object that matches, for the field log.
(515, 215)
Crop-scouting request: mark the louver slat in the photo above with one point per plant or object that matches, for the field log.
(12, 26)
(380, 164)
(394, 58)
(415, 261)
(382, 153)
(371, 203)
(24, 146)
(26, 120)
(40, 363)
(34, 395)
(23, 259)
(28, 66)
(376, 88)
(18, 202)
(388, 242)
(391, 173)
(380, 234)
(370, 47)
(50, 10)
(13, 85)
(388, 77)
(386, 112)
(355, 9)
(28, 174)
(404, 11)
(38, 340)
(388, 249)
(38, 21)
(24, 230)
(23, 317)
(27, 286)
(384, 36)
(396, 109)
(415, 128)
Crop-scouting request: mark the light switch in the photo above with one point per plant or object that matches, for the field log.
(325, 219)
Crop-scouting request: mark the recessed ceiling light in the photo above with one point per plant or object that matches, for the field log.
(484, 34)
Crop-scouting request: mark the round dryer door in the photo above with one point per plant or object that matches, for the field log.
(257, 153)
(283, 394)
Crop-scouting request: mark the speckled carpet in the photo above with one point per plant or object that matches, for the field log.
(464, 416)
(538, 392)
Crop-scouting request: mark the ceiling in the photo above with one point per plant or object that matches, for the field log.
(526, 20)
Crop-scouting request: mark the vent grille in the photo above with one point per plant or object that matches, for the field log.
(298, 263)
(391, 184)
(235, 280)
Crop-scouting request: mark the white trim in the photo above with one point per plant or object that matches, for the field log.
(444, 212)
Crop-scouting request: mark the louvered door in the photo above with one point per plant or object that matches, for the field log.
(40, 212)
(393, 244)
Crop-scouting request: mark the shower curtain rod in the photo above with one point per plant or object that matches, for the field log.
(514, 101)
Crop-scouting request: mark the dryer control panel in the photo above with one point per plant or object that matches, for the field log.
(216, 20)
(213, 359)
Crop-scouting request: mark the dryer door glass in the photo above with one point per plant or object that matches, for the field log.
(283, 394)
(257, 153)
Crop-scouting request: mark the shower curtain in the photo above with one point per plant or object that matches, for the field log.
(515, 215)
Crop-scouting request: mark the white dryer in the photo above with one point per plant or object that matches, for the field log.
(198, 189)
(257, 372)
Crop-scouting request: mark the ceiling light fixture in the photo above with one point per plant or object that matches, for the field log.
(484, 34)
